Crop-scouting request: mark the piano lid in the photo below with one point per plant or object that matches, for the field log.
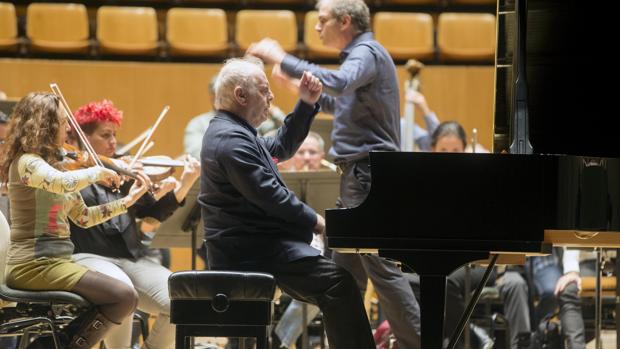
(568, 45)
(449, 201)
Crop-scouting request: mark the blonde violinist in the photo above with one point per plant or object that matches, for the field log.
(44, 197)
(115, 247)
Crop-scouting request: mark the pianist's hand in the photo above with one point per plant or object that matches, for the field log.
(310, 88)
(320, 224)
(565, 280)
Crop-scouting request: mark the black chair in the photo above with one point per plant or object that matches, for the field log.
(28, 313)
(221, 304)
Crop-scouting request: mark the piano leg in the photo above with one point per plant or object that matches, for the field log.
(433, 286)
(432, 306)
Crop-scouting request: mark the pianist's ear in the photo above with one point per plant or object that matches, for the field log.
(240, 96)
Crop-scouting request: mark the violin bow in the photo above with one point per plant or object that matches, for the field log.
(148, 147)
(149, 136)
(89, 148)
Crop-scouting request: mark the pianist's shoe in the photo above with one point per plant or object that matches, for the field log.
(485, 341)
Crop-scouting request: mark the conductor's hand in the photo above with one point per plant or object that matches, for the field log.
(268, 50)
(310, 88)
(319, 228)
(282, 79)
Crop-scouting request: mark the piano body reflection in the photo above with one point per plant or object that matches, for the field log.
(558, 175)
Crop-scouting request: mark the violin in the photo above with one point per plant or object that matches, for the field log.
(76, 159)
(89, 157)
(159, 167)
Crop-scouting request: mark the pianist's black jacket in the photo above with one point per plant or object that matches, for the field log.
(250, 216)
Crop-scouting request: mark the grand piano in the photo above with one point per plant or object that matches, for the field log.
(552, 174)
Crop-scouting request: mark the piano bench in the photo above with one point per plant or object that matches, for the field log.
(221, 304)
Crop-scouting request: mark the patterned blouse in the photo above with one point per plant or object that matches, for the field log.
(41, 199)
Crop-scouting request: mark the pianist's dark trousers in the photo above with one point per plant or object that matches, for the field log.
(395, 295)
(319, 281)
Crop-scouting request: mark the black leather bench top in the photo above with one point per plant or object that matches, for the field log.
(235, 285)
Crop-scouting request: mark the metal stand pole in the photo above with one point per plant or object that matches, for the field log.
(598, 298)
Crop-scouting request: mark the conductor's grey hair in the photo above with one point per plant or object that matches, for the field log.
(356, 9)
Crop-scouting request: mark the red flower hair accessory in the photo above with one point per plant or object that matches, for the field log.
(103, 111)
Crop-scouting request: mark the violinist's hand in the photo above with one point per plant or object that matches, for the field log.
(164, 186)
(135, 192)
(191, 172)
(108, 177)
(124, 162)
(144, 178)
(310, 88)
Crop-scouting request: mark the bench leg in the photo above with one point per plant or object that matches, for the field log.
(262, 340)
(182, 341)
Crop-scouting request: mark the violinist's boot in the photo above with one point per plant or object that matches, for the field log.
(89, 328)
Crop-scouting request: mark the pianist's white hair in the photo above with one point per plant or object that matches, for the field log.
(236, 72)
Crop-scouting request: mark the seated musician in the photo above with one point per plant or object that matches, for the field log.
(4, 132)
(423, 137)
(44, 197)
(115, 248)
(4, 208)
(252, 220)
(557, 283)
(309, 155)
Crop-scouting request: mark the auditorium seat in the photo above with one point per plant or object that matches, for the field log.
(474, 2)
(405, 35)
(127, 30)
(197, 32)
(467, 37)
(8, 27)
(254, 25)
(314, 46)
(57, 27)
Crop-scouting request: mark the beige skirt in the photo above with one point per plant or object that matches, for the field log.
(45, 274)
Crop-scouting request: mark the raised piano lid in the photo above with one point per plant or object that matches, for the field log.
(569, 45)
(569, 110)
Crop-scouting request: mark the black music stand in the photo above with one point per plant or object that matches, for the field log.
(181, 229)
(319, 190)
(6, 106)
